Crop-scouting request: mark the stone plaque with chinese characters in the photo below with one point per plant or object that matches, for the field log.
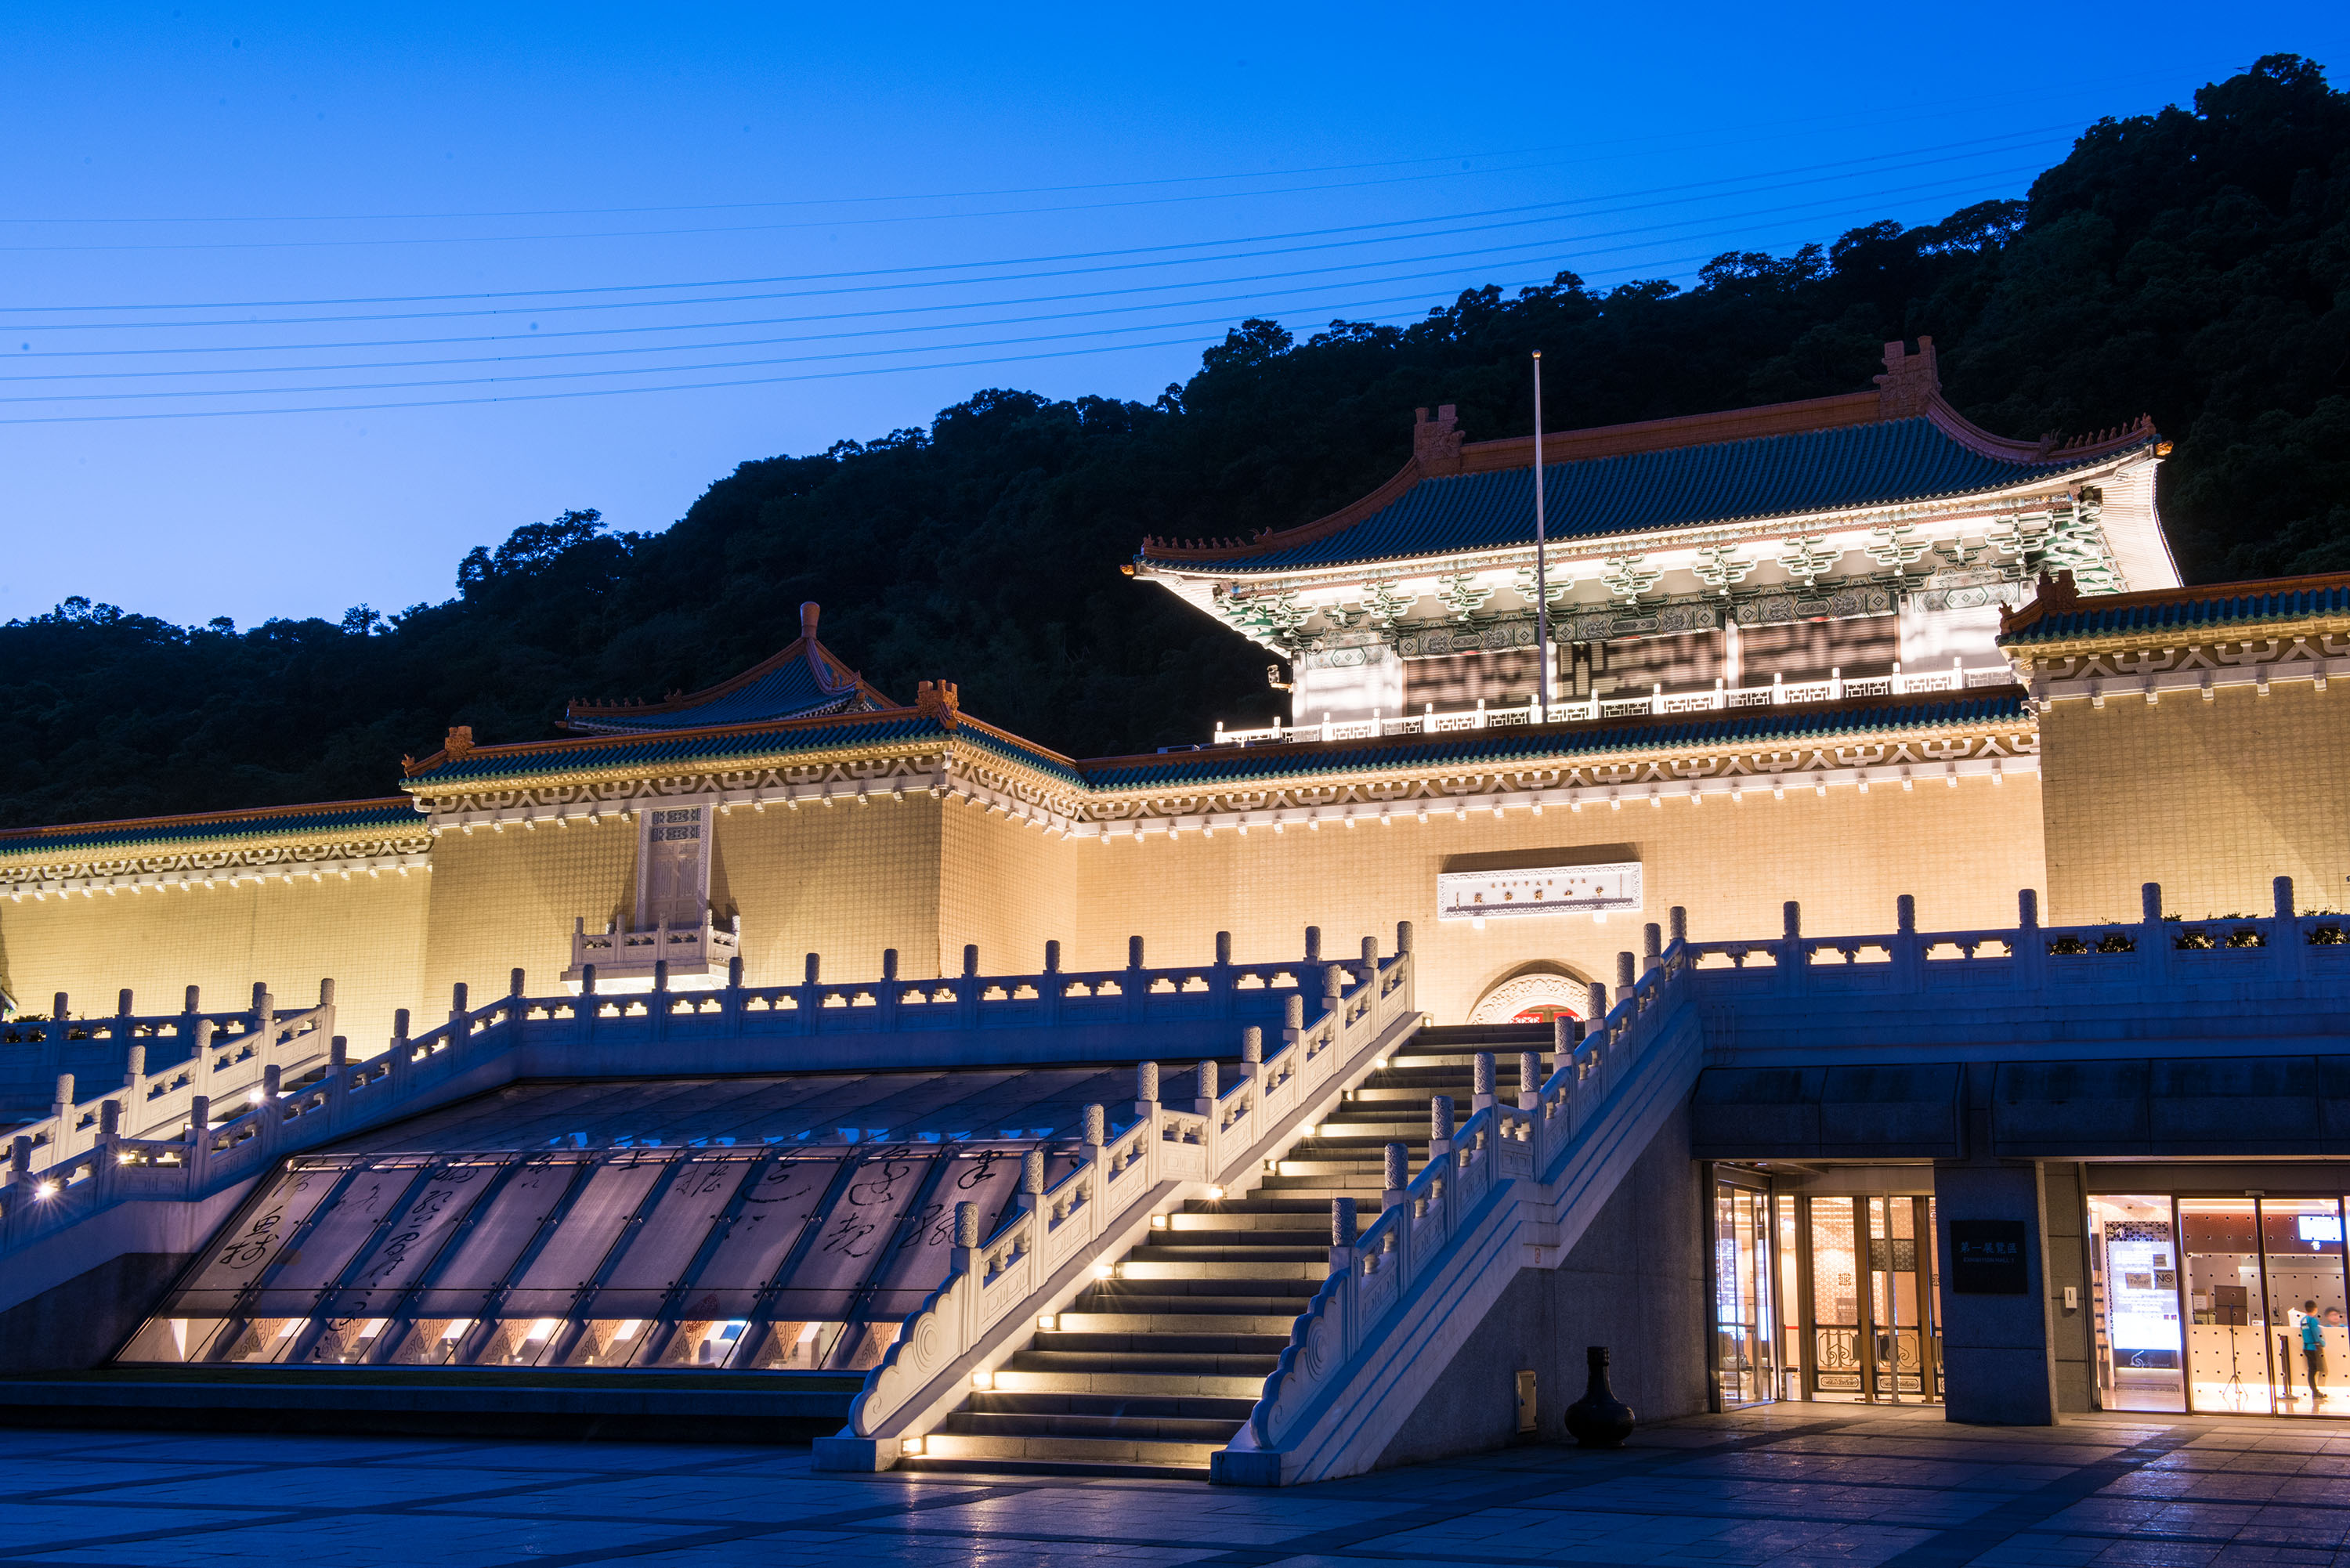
(1538, 891)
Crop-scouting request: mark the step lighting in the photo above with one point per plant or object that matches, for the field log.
(1046, 1322)
(1104, 1270)
(1159, 1221)
(911, 1446)
(982, 1380)
(1214, 1193)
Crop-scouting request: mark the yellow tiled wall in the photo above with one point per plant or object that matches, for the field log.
(845, 881)
(502, 901)
(1964, 853)
(365, 933)
(2210, 799)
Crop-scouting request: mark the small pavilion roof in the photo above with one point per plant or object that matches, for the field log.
(1900, 444)
(802, 681)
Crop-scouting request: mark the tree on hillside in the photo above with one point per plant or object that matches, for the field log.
(2192, 264)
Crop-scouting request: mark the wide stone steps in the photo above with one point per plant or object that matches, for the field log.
(1151, 1371)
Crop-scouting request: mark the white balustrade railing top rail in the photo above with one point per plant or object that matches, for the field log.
(1657, 701)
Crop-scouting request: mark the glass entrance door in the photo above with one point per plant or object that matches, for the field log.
(2227, 1327)
(1901, 1299)
(1742, 1292)
(2301, 1262)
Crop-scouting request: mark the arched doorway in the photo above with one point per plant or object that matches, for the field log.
(1536, 996)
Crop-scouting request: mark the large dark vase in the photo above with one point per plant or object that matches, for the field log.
(1600, 1419)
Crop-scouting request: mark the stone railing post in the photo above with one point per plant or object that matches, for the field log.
(1136, 985)
(885, 993)
(1909, 952)
(1252, 1053)
(20, 1161)
(1206, 1104)
(1370, 962)
(339, 1077)
(1031, 1180)
(811, 994)
(109, 1123)
(1793, 965)
(1343, 1233)
(2031, 949)
(1598, 1024)
(1293, 1018)
(134, 1072)
(1530, 1079)
(1313, 944)
(1440, 1127)
(1403, 937)
(1397, 1177)
(1676, 925)
(1625, 974)
(457, 1004)
(1652, 946)
(62, 1106)
(199, 1142)
(1146, 1089)
(1093, 1134)
(967, 987)
(1333, 990)
(1480, 1081)
(2286, 941)
(2154, 939)
(966, 1239)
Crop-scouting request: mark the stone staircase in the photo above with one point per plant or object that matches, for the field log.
(1154, 1367)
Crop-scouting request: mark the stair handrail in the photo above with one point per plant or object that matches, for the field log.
(995, 1290)
(1371, 1279)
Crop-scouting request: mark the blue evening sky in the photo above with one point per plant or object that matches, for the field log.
(302, 303)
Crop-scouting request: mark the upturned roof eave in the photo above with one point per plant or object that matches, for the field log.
(254, 825)
(1638, 742)
(1657, 537)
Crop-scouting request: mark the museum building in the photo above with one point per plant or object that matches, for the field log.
(1841, 921)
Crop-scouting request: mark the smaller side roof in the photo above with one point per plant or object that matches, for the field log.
(2059, 618)
(802, 681)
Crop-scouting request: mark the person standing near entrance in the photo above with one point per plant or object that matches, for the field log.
(2313, 1349)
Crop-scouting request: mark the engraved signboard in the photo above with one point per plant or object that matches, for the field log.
(1538, 891)
(1987, 1257)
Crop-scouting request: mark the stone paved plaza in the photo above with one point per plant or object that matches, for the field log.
(1782, 1487)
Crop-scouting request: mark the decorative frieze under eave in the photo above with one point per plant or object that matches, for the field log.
(822, 783)
(193, 870)
(2149, 674)
(1861, 763)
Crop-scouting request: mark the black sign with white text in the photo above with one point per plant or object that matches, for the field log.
(1987, 1257)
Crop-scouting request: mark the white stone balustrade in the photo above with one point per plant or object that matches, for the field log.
(631, 959)
(1657, 701)
(314, 1090)
(1515, 1185)
(214, 1059)
(1045, 1254)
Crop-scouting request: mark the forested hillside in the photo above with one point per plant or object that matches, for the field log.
(2193, 265)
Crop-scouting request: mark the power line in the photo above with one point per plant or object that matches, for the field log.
(1483, 254)
(585, 392)
(1666, 195)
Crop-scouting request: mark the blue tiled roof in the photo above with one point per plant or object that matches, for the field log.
(2121, 615)
(359, 816)
(563, 757)
(794, 688)
(1815, 725)
(1768, 476)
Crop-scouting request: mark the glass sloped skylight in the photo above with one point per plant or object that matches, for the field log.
(745, 1225)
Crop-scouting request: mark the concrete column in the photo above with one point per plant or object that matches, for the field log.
(1996, 1347)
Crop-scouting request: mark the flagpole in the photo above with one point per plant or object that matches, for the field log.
(1542, 572)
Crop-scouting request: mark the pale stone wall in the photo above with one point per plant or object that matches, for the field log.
(1847, 856)
(367, 934)
(2210, 799)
